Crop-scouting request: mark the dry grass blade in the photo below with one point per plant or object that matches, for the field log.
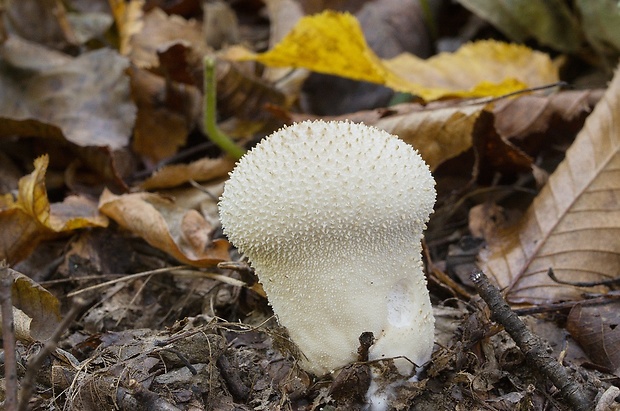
(573, 226)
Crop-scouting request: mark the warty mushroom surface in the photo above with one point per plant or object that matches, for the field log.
(331, 215)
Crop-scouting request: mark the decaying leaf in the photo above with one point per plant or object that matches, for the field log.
(43, 22)
(36, 310)
(438, 134)
(597, 330)
(128, 17)
(550, 22)
(601, 24)
(333, 43)
(161, 125)
(86, 98)
(201, 170)
(31, 218)
(183, 233)
(572, 226)
(161, 29)
(547, 116)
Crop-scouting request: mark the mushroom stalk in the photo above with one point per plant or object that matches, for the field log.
(331, 215)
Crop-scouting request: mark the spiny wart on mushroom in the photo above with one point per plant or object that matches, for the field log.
(331, 215)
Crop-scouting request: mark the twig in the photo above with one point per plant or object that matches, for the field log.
(8, 338)
(530, 344)
(210, 123)
(609, 298)
(127, 278)
(613, 281)
(34, 365)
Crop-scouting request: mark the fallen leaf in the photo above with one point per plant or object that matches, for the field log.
(43, 22)
(86, 98)
(161, 127)
(89, 25)
(36, 310)
(245, 96)
(482, 68)
(220, 24)
(166, 226)
(31, 218)
(495, 154)
(283, 15)
(600, 20)
(544, 115)
(201, 170)
(390, 27)
(333, 43)
(572, 225)
(438, 134)
(160, 29)
(128, 17)
(37, 303)
(597, 330)
(550, 22)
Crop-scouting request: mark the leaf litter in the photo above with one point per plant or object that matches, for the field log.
(156, 335)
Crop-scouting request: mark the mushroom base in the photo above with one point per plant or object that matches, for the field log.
(328, 305)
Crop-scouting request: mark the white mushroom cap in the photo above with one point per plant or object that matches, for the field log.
(330, 215)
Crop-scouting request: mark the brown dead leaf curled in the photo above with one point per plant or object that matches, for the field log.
(177, 174)
(163, 224)
(597, 330)
(534, 114)
(36, 310)
(160, 29)
(31, 218)
(573, 224)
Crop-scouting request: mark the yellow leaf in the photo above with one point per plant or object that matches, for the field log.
(72, 213)
(483, 68)
(128, 17)
(333, 43)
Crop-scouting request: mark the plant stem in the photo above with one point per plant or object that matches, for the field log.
(209, 120)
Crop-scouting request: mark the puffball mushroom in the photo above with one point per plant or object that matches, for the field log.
(330, 215)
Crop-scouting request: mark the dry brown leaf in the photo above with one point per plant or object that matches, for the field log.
(535, 114)
(184, 234)
(37, 303)
(597, 330)
(36, 310)
(494, 153)
(86, 98)
(161, 127)
(202, 170)
(44, 22)
(31, 218)
(438, 134)
(160, 29)
(573, 224)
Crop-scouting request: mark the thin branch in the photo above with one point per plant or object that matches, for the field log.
(613, 281)
(530, 344)
(34, 365)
